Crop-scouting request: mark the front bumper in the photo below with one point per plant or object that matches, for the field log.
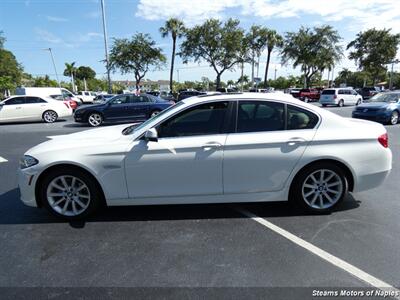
(380, 117)
(26, 183)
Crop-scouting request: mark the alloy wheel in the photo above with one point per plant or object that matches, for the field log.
(322, 189)
(68, 195)
(50, 116)
(394, 118)
(95, 120)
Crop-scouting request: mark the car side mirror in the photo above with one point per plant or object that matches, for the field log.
(151, 135)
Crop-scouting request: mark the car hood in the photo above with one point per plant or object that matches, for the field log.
(91, 138)
(373, 105)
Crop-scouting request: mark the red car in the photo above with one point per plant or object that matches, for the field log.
(67, 101)
(308, 95)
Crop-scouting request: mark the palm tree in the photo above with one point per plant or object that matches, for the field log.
(274, 40)
(344, 74)
(70, 71)
(176, 28)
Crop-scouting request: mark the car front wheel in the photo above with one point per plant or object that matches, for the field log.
(319, 188)
(95, 119)
(70, 194)
(341, 103)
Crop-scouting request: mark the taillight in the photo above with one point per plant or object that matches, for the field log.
(334, 96)
(384, 140)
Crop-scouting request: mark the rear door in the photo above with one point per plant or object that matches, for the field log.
(34, 107)
(261, 154)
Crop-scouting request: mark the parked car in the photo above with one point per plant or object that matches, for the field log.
(162, 94)
(86, 96)
(121, 108)
(340, 97)
(223, 148)
(227, 90)
(68, 101)
(187, 94)
(102, 97)
(30, 108)
(295, 92)
(308, 95)
(383, 108)
(46, 92)
(369, 91)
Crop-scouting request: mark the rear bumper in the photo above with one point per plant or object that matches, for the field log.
(329, 101)
(370, 181)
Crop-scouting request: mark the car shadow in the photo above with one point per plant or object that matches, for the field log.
(32, 122)
(13, 211)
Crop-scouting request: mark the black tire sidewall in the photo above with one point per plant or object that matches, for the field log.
(95, 194)
(295, 194)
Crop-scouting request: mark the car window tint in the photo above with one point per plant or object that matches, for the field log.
(204, 119)
(256, 116)
(328, 92)
(298, 118)
(32, 100)
(15, 101)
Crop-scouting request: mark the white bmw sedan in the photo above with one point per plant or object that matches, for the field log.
(210, 149)
(32, 108)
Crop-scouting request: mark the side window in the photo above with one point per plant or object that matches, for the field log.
(124, 99)
(298, 118)
(204, 119)
(16, 101)
(33, 100)
(139, 99)
(254, 116)
(341, 92)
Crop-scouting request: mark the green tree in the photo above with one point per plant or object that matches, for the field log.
(44, 82)
(313, 50)
(255, 40)
(274, 40)
(216, 43)
(85, 72)
(136, 55)
(10, 69)
(70, 71)
(373, 49)
(176, 28)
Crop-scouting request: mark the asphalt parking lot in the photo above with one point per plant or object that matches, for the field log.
(166, 251)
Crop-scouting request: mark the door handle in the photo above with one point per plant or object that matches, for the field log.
(210, 146)
(295, 140)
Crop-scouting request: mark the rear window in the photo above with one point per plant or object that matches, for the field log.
(328, 92)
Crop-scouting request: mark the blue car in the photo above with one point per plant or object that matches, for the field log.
(383, 108)
(121, 108)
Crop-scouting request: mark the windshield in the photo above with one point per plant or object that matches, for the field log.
(385, 97)
(135, 127)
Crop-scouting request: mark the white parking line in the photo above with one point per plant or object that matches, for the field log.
(3, 160)
(360, 274)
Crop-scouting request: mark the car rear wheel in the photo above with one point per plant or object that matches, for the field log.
(70, 194)
(394, 118)
(95, 119)
(319, 188)
(341, 103)
(50, 116)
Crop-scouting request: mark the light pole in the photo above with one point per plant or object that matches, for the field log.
(106, 47)
(54, 65)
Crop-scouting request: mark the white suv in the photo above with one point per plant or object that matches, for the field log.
(340, 97)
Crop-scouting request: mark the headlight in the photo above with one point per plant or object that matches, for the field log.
(27, 161)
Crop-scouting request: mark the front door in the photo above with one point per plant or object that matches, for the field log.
(118, 108)
(187, 158)
(264, 151)
(12, 110)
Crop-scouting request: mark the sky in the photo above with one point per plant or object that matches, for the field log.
(73, 28)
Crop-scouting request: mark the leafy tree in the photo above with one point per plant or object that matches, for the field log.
(354, 79)
(10, 69)
(274, 40)
(255, 40)
(136, 55)
(314, 50)
(216, 43)
(44, 82)
(85, 72)
(70, 71)
(176, 28)
(373, 49)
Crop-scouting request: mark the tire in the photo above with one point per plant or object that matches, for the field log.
(341, 103)
(306, 193)
(49, 116)
(323, 105)
(306, 100)
(68, 199)
(154, 113)
(358, 102)
(394, 118)
(95, 119)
